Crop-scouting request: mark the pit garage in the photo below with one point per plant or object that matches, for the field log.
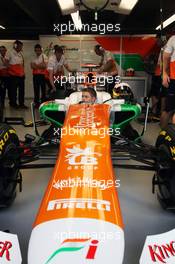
(97, 195)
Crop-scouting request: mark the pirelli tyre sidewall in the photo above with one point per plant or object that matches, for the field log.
(9, 161)
(166, 177)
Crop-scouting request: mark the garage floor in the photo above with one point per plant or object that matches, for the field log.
(141, 211)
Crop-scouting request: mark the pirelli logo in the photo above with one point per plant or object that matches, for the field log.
(79, 203)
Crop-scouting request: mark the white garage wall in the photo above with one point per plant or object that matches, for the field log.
(79, 49)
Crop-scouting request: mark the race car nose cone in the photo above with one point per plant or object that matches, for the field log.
(79, 219)
(79, 240)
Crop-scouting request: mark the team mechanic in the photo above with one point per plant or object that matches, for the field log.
(169, 81)
(158, 91)
(4, 75)
(39, 65)
(17, 76)
(107, 64)
(56, 64)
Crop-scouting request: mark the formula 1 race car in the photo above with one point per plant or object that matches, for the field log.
(15, 154)
(97, 142)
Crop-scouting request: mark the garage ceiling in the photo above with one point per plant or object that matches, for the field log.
(30, 18)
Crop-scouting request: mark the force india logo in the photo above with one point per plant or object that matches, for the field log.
(71, 245)
(78, 156)
(79, 204)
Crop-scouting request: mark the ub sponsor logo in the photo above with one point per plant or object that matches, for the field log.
(78, 156)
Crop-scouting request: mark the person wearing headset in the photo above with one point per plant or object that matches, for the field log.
(56, 64)
(107, 65)
(17, 76)
(39, 65)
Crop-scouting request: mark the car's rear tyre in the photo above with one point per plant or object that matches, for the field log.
(9, 165)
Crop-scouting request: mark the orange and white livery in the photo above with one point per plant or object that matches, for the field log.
(170, 48)
(158, 68)
(16, 64)
(108, 57)
(42, 58)
(79, 220)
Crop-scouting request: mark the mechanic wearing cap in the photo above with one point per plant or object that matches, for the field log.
(39, 65)
(56, 64)
(169, 81)
(17, 76)
(107, 64)
(89, 96)
(4, 75)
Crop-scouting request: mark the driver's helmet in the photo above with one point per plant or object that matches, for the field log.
(123, 91)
